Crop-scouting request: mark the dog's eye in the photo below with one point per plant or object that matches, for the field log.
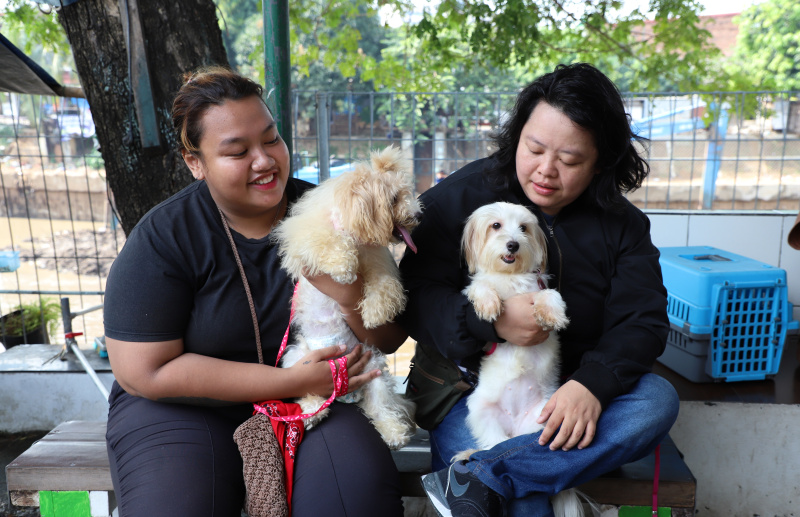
(523, 228)
(496, 226)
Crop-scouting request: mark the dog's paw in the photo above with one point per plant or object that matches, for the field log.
(487, 303)
(382, 301)
(377, 310)
(488, 309)
(374, 318)
(463, 455)
(550, 311)
(395, 433)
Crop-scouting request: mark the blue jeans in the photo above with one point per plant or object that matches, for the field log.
(526, 474)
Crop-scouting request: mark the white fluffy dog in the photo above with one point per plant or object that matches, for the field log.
(506, 253)
(342, 228)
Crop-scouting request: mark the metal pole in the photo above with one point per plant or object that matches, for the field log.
(277, 65)
(323, 137)
(86, 366)
(70, 345)
(716, 144)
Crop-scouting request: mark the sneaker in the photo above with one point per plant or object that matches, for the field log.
(455, 491)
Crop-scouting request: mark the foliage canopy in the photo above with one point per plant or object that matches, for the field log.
(480, 45)
(768, 48)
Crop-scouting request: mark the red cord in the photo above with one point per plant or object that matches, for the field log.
(341, 381)
(655, 480)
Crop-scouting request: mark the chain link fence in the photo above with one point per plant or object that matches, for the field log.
(58, 235)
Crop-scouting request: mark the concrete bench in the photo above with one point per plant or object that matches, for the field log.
(66, 474)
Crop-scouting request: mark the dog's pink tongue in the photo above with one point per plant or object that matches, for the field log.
(406, 238)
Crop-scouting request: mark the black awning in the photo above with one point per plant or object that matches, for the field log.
(19, 74)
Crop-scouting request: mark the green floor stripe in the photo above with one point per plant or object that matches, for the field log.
(643, 511)
(64, 504)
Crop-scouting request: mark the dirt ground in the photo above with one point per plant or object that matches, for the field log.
(83, 252)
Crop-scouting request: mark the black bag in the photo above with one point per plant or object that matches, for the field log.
(435, 385)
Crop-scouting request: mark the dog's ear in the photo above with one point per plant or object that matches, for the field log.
(363, 203)
(471, 242)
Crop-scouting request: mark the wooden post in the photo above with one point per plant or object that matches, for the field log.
(139, 75)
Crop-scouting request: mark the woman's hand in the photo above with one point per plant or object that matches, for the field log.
(315, 371)
(576, 411)
(516, 323)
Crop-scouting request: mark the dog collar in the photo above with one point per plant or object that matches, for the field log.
(539, 280)
(492, 347)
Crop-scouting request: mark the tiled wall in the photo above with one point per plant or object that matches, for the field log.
(760, 236)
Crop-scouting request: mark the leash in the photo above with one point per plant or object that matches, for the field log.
(655, 479)
(338, 366)
(339, 375)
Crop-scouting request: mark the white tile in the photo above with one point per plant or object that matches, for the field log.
(754, 236)
(99, 503)
(669, 229)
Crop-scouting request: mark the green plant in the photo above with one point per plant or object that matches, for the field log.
(94, 160)
(46, 311)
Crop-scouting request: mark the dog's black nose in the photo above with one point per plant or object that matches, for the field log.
(512, 246)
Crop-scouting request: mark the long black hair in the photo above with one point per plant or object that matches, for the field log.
(588, 98)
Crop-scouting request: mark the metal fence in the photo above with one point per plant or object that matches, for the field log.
(714, 151)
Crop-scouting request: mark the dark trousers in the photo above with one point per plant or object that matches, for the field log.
(178, 460)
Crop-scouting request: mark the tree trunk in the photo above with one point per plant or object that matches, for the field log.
(178, 36)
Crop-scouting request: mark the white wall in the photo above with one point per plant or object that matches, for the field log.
(744, 456)
(759, 235)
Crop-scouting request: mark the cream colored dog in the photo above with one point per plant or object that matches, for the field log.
(342, 228)
(506, 253)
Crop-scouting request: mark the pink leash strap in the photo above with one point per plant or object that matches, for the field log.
(340, 378)
(655, 479)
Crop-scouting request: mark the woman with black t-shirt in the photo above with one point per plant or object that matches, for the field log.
(181, 337)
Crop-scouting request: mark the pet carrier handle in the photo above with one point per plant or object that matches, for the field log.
(711, 258)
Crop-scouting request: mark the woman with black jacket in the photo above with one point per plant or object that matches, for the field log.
(567, 153)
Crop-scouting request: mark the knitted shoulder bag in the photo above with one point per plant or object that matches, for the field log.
(263, 461)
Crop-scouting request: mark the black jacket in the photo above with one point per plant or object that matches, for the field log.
(603, 263)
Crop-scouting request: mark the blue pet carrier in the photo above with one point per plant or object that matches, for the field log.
(729, 315)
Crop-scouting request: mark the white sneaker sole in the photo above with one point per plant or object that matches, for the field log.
(438, 505)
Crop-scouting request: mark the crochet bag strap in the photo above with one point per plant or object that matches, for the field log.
(339, 375)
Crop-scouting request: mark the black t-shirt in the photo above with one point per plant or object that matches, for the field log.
(176, 277)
